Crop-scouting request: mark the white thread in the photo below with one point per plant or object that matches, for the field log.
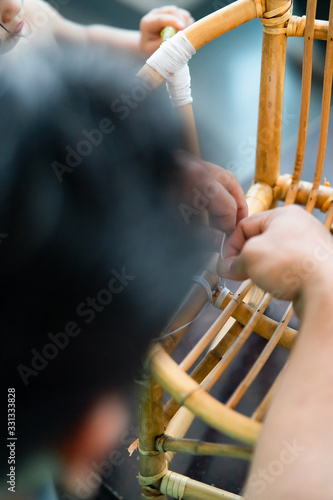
(170, 61)
(172, 55)
(223, 293)
(205, 284)
(179, 87)
(183, 326)
(222, 281)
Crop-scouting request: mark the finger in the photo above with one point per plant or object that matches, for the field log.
(203, 191)
(230, 182)
(246, 229)
(233, 268)
(155, 24)
(222, 208)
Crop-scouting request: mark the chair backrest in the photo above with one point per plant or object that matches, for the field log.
(163, 426)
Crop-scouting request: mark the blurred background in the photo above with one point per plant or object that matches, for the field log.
(225, 88)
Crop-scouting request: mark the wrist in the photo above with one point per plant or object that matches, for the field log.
(317, 291)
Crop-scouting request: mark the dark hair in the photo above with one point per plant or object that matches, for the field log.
(87, 209)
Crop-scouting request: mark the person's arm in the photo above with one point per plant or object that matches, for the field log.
(143, 42)
(290, 254)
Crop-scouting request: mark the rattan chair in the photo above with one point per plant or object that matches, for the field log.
(163, 426)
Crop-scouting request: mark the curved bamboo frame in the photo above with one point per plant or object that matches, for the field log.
(162, 428)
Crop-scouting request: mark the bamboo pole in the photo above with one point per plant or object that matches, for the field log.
(305, 102)
(296, 27)
(213, 357)
(262, 409)
(191, 307)
(196, 447)
(216, 327)
(265, 326)
(207, 29)
(190, 394)
(283, 185)
(271, 97)
(153, 464)
(329, 217)
(325, 115)
(178, 486)
(259, 197)
(234, 349)
(210, 361)
(262, 359)
(220, 22)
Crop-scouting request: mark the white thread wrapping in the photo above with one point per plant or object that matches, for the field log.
(201, 281)
(224, 292)
(179, 87)
(170, 61)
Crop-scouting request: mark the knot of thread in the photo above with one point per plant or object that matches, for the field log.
(273, 19)
(296, 26)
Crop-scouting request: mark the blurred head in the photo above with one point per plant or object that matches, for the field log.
(12, 23)
(94, 253)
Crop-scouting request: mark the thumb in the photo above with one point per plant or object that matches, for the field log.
(232, 268)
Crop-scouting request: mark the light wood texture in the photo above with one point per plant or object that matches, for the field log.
(187, 392)
(265, 326)
(196, 447)
(271, 102)
(259, 197)
(190, 141)
(325, 115)
(305, 102)
(262, 409)
(216, 24)
(178, 486)
(211, 379)
(262, 359)
(296, 27)
(303, 191)
(153, 465)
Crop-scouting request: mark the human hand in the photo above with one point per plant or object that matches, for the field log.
(152, 24)
(285, 251)
(208, 186)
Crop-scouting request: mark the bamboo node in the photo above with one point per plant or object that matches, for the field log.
(273, 19)
(326, 205)
(174, 485)
(296, 26)
(148, 480)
